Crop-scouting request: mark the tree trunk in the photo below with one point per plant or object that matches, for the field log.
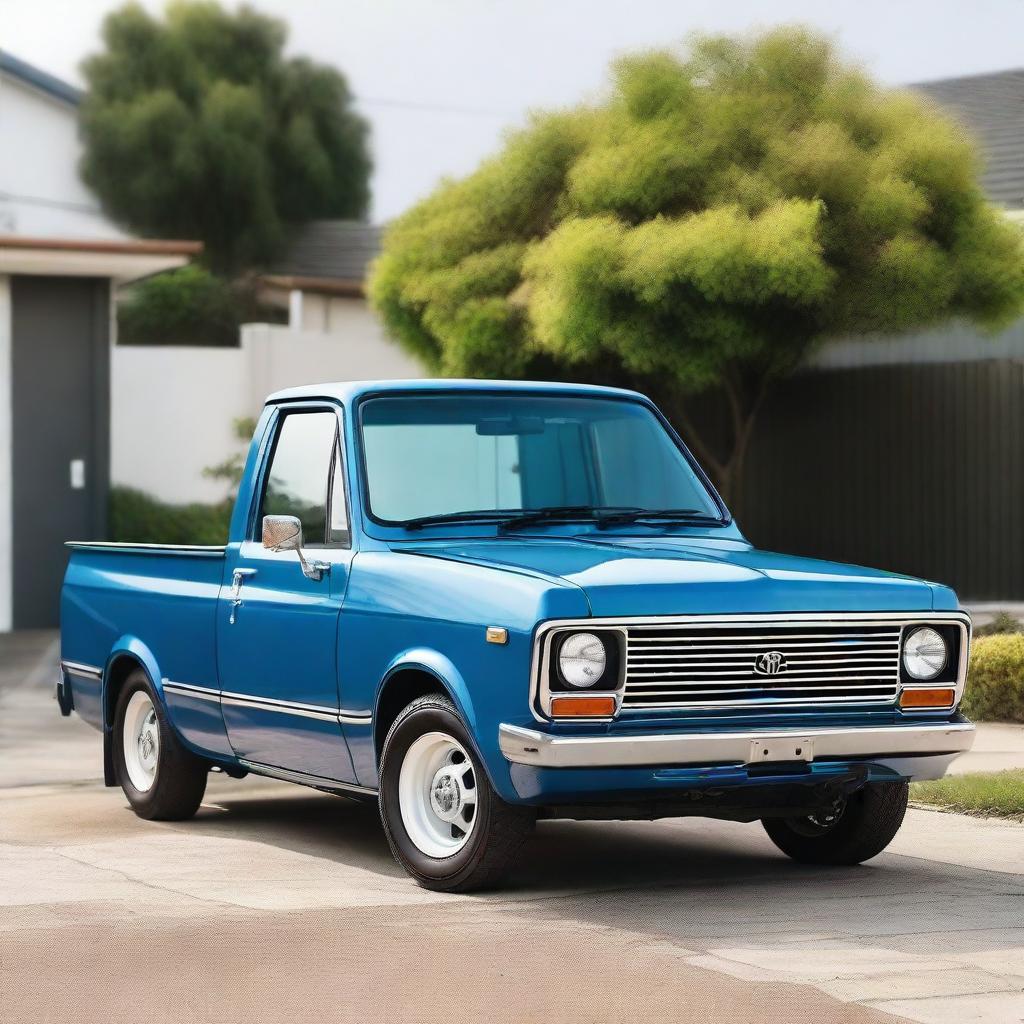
(727, 468)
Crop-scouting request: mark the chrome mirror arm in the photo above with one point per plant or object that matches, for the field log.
(312, 569)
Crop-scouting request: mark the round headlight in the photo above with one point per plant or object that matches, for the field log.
(924, 653)
(582, 660)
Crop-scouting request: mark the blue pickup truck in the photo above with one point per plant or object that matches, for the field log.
(485, 603)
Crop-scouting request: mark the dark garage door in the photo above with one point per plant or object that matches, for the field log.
(61, 374)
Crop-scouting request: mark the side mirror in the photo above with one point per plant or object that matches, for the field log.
(284, 533)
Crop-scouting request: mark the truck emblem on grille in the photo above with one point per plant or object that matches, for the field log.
(771, 663)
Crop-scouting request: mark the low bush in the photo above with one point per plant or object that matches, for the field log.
(189, 306)
(1002, 622)
(995, 681)
(137, 518)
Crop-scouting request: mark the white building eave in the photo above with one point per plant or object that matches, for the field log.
(119, 261)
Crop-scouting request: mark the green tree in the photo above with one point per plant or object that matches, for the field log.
(703, 229)
(197, 126)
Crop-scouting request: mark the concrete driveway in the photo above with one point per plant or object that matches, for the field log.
(277, 903)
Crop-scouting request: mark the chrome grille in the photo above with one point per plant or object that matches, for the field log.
(761, 663)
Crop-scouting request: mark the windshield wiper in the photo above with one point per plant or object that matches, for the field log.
(634, 515)
(552, 513)
(469, 516)
(516, 519)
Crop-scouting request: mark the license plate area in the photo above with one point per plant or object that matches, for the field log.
(776, 748)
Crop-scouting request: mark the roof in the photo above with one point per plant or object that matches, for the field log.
(991, 107)
(120, 260)
(349, 390)
(327, 255)
(139, 247)
(39, 79)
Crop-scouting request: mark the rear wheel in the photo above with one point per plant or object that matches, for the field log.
(446, 825)
(854, 829)
(161, 778)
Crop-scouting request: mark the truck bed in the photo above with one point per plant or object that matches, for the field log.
(157, 600)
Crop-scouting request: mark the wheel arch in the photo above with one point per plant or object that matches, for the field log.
(417, 673)
(127, 655)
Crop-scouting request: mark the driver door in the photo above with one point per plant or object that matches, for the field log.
(277, 628)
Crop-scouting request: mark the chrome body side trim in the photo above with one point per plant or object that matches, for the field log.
(275, 704)
(872, 743)
(281, 709)
(190, 690)
(354, 718)
(78, 668)
(302, 779)
(245, 700)
(541, 664)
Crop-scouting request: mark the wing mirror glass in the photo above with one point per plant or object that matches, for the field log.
(284, 533)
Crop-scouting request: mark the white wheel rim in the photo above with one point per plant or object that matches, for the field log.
(437, 791)
(141, 740)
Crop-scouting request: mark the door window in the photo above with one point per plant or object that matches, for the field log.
(297, 483)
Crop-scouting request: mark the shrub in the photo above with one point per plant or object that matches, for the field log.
(1002, 622)
(189, 306)
(137, 518)
(995, 682)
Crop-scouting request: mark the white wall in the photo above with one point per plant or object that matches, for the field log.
(6, 470)
(41, 194)
(172, 408)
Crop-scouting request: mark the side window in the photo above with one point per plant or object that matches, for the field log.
(297, 483)
(339, 531)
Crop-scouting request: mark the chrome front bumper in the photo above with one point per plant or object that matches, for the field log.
(913, 751)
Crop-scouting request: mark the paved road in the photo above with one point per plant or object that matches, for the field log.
(277, 902)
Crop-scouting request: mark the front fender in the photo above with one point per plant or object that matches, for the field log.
(426, 659)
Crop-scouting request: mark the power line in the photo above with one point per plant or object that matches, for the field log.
(438, 108)
(60, 204)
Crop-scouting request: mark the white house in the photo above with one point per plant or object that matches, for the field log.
(60, 261)
(41, 194)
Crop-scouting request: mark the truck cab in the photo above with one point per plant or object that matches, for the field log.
(484, 603)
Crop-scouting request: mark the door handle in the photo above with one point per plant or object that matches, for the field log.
(238, 577)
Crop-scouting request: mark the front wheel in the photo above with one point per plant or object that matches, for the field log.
(446, 825)
(162, 780)
(854, 829)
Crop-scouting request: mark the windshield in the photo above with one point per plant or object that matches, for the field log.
(442, 455)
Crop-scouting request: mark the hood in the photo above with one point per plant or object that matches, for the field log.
(688, 575)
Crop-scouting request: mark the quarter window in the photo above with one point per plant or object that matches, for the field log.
(339, 533)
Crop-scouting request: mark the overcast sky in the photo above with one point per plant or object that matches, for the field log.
(441, 80)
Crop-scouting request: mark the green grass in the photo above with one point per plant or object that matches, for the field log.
(996, 794)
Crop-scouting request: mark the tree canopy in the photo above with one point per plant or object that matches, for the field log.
(197, 126)
(719, 214)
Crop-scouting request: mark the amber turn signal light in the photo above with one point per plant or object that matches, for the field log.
(940, 698)
(582, 707)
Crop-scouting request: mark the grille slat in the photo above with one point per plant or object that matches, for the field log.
(781, 642)
(740, 633)
(699, 665)
(782, 679)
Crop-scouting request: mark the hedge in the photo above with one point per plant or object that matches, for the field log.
(189, 306)
(995, 681)
(138, 518)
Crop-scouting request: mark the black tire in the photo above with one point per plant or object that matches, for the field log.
(499, 829)
(180, 780)
(854, 831)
